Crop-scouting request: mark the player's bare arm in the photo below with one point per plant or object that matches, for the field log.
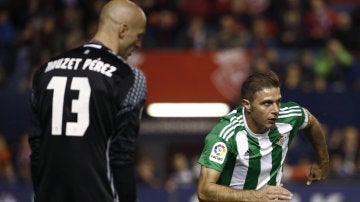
(316, 137)
(208, 190)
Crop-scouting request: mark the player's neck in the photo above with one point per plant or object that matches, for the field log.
(97, 42)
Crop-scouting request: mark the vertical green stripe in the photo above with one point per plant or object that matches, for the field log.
(276, 156)
(253, 173)
(228, 171)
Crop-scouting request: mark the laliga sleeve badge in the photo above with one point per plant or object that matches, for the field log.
(218, 152)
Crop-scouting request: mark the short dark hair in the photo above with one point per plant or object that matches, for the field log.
(257, 82)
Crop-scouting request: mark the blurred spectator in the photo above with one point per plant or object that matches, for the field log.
(351, 149)
(73, 39)
(344, 31)
(24, 56)
(239, 10)
(290, 21)
(293, 76)
(49, 36)
(71, 17)
(337, 168)
(269, 60)
(260, 64)
(194, 35)
(146, 172)
(23, 11)
(5, 154)
(181, 174)
(229, 35)
(7, 173)
(333, 63)
(263, 31)
(7, 34)
(72, 21)
(306, 60)
(195, 167)
(22, 158)
(162, 29)
(320, 84)
(257, 7)
(320, 20)
(344, 152)
(276, 63)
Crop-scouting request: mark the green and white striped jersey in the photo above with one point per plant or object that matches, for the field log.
(247, 160)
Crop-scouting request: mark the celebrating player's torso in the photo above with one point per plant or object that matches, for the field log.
(231, 148)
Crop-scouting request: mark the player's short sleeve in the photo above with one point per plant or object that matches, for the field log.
(306, 119)
(295, 115)
(216, 151)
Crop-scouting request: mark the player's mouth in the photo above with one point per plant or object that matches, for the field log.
(272, 120)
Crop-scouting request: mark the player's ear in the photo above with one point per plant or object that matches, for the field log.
(246, 103)
(123, 29)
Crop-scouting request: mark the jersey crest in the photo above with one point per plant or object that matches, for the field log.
(281, 140)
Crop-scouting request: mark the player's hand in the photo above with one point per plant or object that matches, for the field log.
(274, 193)
(317, 172)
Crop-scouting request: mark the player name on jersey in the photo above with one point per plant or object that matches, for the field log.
(74, 63)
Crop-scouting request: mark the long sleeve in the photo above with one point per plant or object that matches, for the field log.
(35, 135)
(124, 142)
(122, 156)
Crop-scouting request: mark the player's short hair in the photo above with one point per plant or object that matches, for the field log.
(258, 81)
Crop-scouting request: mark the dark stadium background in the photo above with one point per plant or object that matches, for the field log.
(238, 36)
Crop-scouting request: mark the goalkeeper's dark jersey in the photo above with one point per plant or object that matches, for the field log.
(86, 107)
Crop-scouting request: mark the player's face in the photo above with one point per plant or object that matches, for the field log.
(132, 40)
(263, 110)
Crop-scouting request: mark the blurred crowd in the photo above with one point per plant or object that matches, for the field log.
(314, 45)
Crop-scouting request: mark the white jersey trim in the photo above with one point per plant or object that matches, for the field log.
(306, 120)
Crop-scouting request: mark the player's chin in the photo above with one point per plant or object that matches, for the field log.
(271, 123)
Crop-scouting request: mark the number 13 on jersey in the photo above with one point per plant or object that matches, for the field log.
(79, 106)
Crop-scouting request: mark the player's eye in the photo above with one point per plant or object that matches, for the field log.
(267, 103)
